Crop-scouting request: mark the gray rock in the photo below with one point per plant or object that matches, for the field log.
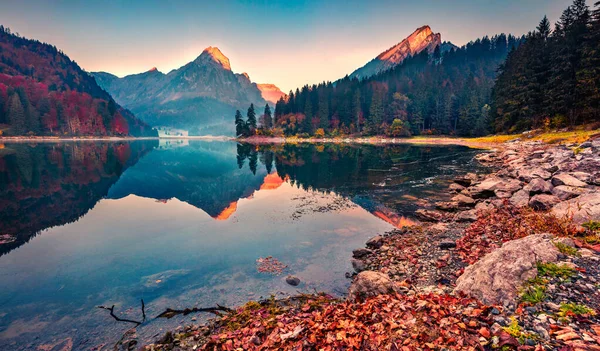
(543, 202)
(428, 215)
(292, 280)
(497, 277)
(538, 186)
(375, 242)
(583, 208)
(463, 201)
(369, 284)
(565, 192)
(527, 174)
(466, 216)
(358, 265)
(455, 187)
(449, 206)
(359, 253)
(520, 198)
(567, 179)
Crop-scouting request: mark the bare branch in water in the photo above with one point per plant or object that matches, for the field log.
(112, 313)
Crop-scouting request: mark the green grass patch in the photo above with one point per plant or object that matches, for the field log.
(593, 226)
(566, 249)
(515, 330)
(534, 294)
(555, 271)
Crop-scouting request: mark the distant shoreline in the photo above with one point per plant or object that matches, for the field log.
(100, 138)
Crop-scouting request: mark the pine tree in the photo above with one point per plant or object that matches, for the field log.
(376, 113)
(240, 125)
(268, 119)
(251, 120)
(16, 115)
(323, 110)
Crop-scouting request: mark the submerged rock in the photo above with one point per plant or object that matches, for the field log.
(362, 252)
(292, 280)
(498, 276)
(369, 284)
(428, 215)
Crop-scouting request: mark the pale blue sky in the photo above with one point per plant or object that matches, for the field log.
(289, 43)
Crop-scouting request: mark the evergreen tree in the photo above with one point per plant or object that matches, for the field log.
(240, 125)
(251, 120)
(16, 115)
(268, 119)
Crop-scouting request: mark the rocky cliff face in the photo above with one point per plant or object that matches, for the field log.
(271, 92)
(421, 39)
(203, 93)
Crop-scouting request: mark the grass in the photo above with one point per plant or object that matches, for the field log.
(593, 226)
(534, 291)
(571, 137)
(566, 249)
(514, 330)
(568, 310)
(555, 271)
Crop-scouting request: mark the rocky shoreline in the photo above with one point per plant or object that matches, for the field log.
(512, 262)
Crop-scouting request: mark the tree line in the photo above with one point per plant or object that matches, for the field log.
(553, 79)
(490, 85)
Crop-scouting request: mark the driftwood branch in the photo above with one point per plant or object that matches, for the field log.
(118, 319)
(170, 313)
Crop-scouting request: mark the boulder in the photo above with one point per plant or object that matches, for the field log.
(527, 174)
(538, 186)
(567, 179)
(292, 280)
(466, 180)
(565, 192)
(520, 198)
(466, 216)
(455, 187)
(583, 176)
(428, 215)
(582, 209)
(463, 201)
(497, 277)
(375, 242)
(447, 206)
(369, 284)
(359, 253)
(485, 189)
(358, 265)
(543, 202)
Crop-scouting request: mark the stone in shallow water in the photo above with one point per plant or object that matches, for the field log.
(362, 252)
(375, 242)
(292, 280)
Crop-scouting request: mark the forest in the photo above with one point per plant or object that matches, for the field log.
(503, 84)
(43, 92)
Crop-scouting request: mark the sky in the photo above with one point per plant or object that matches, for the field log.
(288, 43)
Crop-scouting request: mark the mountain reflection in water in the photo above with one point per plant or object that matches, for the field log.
(182, 223)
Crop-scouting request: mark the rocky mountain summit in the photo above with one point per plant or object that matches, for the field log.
(421, 39)
(271, 92)
(200, 96)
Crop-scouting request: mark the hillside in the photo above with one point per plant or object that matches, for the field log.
(44, 92)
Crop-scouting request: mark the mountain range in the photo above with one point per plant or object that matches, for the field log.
(201, 96)
(421, 39)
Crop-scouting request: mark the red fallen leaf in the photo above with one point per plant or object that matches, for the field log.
(485, 332)
(506, 339)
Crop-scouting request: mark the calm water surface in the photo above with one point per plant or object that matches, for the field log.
(182, 223)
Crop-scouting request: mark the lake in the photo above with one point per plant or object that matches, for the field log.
(182, 223)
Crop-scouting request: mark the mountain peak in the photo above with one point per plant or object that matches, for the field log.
(153, 69)
(215, 55)
(421, 39)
